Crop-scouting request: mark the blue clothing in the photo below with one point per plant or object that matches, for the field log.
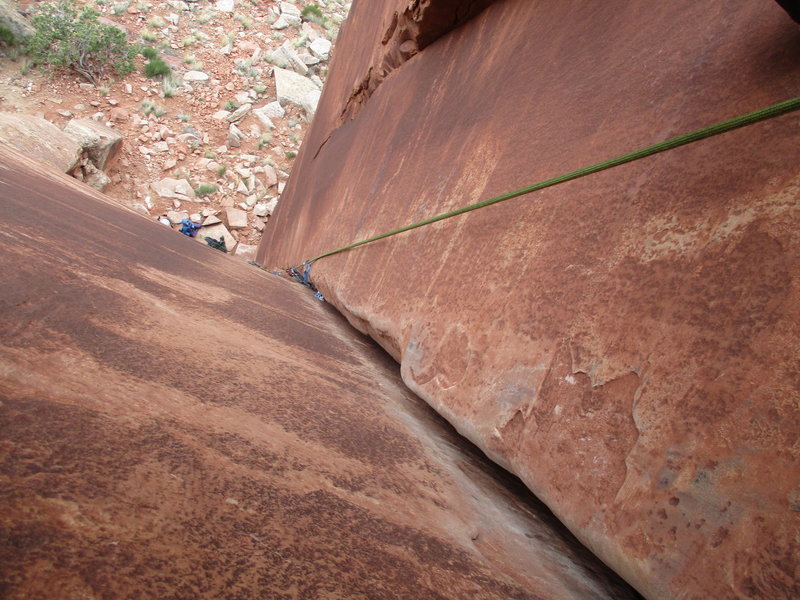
(189, 228)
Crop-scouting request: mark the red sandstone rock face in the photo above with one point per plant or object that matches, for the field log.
(177, 424)
(626, 343)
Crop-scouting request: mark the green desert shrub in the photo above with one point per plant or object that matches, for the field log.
(7, 36)
(66, 37)
(156, 68)
(149, 107)
(313, 13)
(205, 189)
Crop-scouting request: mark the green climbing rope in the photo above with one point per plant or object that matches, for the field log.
(688, 138)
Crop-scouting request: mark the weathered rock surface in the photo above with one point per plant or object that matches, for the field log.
(285, 56)
(239, 113)
(216, 231)
(626, 343)
(196, 76)
(100, 142)
(97, 178)
(235, 218)
(12, 19)
(292, 87)
(176, 216)
(166, 433)
(290, 13)
(310, 103)
(235, 136)
(40, 140)
(246, 251)
(320, 48)
(173, 188)
(273, 110)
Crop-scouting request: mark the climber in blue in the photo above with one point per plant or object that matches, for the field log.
(189, 228)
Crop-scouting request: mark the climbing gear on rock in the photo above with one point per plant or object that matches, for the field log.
(303, 278)
(218, 244)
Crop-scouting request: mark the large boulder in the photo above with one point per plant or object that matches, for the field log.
(100, 142)
(292, 88)
(12, 19)
(625, 343)
(39, 140)
(179, 189)
(216, 231)
(285, 56)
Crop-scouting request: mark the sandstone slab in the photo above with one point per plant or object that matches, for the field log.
(13, 20)
(285, 56)
(176, 216)
(263, 117)
(196, 76)
(235, 218)
(292, 87)
(246, 251)
(240, 113)
(98, 180)
(235, 136)
(270, 176)
(310, 103)
(320, 48)
(217, 231)
(170, 417)
(290, 13)
(173, 188)
(40, 140)
(280, 23)
(625, 343)
(273, 110)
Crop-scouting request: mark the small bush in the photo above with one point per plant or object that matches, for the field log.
(221, 170)
(290, 154)
(313, 13)
(205, 189)
(245, 21)
(64, 38)
(7, 36)
(264, 140)
(156, 68)
(170, 86)
(149, 107)
(149, 36)
(149, 52)
(120, 8)
(231, 105)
